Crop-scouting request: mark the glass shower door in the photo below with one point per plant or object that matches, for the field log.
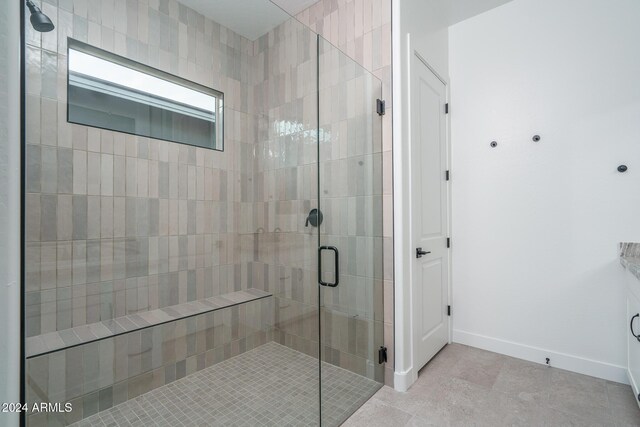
(350, 235)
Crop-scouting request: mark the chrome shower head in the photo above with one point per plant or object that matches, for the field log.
(39, 20)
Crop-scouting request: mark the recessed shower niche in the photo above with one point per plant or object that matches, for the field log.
(159, 270)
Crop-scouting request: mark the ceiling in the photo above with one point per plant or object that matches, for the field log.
(293, 7)
(459, 10)
(249, 18)
(254, 18)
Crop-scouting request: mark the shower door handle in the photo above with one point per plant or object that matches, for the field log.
(631, 326)
(336, 255)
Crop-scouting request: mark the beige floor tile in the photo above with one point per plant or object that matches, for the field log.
(579, 395)
(478, 366)
(464, 386)
(527, 381)
(452, 401)
(624, 407)
(498, 408)
(557, 418)
(410, 402)
(420, 422)
(377, 413)
(443, 362)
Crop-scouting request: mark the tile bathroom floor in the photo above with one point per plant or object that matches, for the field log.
(466, 386)
(271, 385)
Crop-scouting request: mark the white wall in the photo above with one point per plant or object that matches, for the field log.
(9, 207)
(536, 225)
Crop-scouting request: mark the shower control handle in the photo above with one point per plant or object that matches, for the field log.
(336, 255)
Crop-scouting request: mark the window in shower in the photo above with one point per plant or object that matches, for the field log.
(111, 92)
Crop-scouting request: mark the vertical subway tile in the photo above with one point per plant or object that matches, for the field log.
(143, 177)
(93, 139)
(74, 372)
(33, 169)
(33, 216)
(93, 261)
(93, 217)
(153, 217)
(131, 222)
(57, 376)
(106, 217)
(79, 303)
(105, 398)
(79, 138)
(106, 175)
(49, 217)
(134, 354)
(121, 358)
(91, 366)
(79, 262)
(32, 266)
(93, 173)
(65, 170)
(153, 179)
(49, 170)
(106, 260)
(119, 216)
(119, 176)
(106, 363)
(49, 121)
(163, 180)
(64, 217)
(79, 172)
(131, 186)
(142, 217)
(64, 264)
(79, 217)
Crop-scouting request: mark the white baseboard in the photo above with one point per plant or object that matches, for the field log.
(403, 380)
(568, 362)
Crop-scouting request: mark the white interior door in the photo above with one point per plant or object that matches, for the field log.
(429, 213)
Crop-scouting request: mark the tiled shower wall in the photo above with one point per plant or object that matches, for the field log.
(285, 178)
(118, 224)
(362, 29)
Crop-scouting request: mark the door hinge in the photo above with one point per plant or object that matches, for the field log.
(446, 108)
(448, 242)
(382, 355)
(447, 175)
(448, 310)
(380, 107)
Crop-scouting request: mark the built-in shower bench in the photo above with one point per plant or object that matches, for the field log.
(59, 340)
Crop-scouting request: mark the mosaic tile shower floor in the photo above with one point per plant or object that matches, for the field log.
(271, 385)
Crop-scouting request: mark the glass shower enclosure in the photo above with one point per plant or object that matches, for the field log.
(224, 271)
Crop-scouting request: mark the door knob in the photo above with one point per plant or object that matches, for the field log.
(420, 252)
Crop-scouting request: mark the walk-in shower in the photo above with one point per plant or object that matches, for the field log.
(203, 218)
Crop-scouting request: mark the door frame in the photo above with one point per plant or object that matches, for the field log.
(405, 371)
